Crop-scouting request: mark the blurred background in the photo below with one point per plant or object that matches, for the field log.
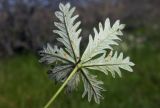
(26, 25)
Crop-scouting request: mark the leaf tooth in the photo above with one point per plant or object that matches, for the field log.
(61, 34)
(90, 94)
(59, 15)
(118, 71)
(74, 17)
(79, 32)
(116, 25)
(113, 73)
(120, 33)
(71, 11)
(115, 55)
(126, 67)
(101, 88)
(126, 59)
(107, 24)
(100, 27)
(95, 31)
(68, 5)
(59, 26)
(131, 64)
(84, 94)
(61, 6)
(122, 26)
(66, 43)
(120, 56)
(85, 89)
(76, 26)
(97, 100)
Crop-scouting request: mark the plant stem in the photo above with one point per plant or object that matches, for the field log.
(62, 87)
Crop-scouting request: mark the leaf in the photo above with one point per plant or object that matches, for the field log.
(73, 83)
(116, 62)
(70, 65)
(60, 73)
(103, 39)
(111, 63)
(51, 55)
(92, 87)
(94, 64)
(68, 30)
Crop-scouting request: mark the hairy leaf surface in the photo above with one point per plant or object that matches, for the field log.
(67, 58)
(68, 30)
(103, 39)
(111, 63)
(92, 86)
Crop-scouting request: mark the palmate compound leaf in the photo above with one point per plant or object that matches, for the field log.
(94, 56)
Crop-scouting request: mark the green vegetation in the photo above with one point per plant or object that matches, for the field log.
(24, 84)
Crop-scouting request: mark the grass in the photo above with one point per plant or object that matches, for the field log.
(24, 84)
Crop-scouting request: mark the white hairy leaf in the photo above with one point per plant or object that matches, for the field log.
(50, 55)
(111, 63)
(73, 83)
(103, 39)
(92, 86)
(68, 30)
(59, 73)
(68, 58)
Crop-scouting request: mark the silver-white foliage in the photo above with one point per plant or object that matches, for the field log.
(51, 55)
(94, 57)
(92, 86)
(73, 83)
(103, 39)
(59, 73)
(111, 63)
(68, 30)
